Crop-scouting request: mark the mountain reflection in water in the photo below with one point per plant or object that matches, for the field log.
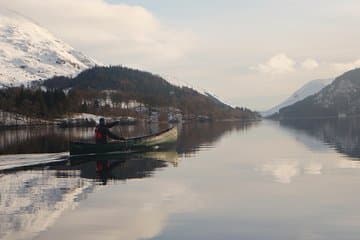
(221, 181)
(33, 198)
(342, 134)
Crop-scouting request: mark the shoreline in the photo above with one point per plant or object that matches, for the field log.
(58, 124)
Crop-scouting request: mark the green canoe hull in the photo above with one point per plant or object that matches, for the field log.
(132, 145)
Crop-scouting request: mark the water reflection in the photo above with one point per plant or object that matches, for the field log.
(54, 139)
(284, 171)
(323, 138)
(204, 135)
(114, 168)
(341, 134)
(32, 200)
(33, 197)
(137, 210)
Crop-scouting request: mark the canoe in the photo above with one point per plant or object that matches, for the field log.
(130, 145)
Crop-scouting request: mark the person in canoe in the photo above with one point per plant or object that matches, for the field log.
(102, 132)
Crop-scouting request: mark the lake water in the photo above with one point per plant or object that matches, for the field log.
(254, 181)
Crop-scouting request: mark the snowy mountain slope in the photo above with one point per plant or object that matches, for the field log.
(29, 52)
(339, 99)
(308, 89)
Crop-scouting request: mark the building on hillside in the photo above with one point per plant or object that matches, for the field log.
(342, 115)
(154, 117)
(141, 109)
(174, 115)
(203, 118)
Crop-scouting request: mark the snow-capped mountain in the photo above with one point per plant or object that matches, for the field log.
(339, 99)
(29, 52)
(308, 89)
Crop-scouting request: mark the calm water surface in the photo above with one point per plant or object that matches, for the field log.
(261, 181)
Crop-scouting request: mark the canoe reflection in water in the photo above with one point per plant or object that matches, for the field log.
(114, 168)
(121, 170)
(104, 168)
(138, 166)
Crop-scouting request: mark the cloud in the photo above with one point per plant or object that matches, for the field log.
(113, 33)
(309, 64)
(314, 168)
(278, 64)
(282, 64)
(344, 67)
(282, 172)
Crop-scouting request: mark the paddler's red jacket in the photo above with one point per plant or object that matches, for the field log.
(102, 133)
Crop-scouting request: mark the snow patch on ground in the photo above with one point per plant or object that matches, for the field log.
(85, 116)
(13, 119)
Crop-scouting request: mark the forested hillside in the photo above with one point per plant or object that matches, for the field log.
(106, 90)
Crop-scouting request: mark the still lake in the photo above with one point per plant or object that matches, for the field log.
(255, 181)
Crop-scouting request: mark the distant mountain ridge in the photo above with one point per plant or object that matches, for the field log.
(29, 52)
(308, 89)
(340, 98)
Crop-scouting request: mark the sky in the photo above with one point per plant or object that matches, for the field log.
(251, 53)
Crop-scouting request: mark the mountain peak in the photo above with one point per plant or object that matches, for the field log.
(340, 98)
(308, 89)
(30, 52)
